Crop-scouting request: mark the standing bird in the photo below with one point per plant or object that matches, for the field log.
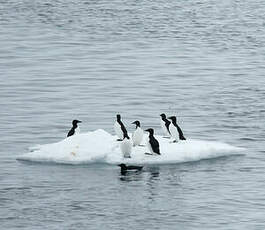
(164, 122)
(138, 134)
(175, 130)
(119, 128)
(152, 143)
(75, 129)
(126, 146)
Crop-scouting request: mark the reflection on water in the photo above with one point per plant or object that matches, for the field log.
(129, 176)
(152, 182)
(154, 172)
(147, 173)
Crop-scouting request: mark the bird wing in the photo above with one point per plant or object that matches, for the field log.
(123, 128)
(155, 145)
(181, 135)
(71, 132)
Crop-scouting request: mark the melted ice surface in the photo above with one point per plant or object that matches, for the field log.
(101, 147)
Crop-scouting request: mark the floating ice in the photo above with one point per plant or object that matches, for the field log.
(101, 147)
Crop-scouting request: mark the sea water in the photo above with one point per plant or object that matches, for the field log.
(202, 61)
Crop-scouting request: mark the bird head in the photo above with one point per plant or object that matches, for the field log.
(118, 117)
(137, 123)
(123, 166)
(163, 116)
(150, 131)
(75, 122)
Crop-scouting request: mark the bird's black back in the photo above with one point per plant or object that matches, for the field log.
(71, 132)
(124, 167)
(154, 144)
(167, 123)
(122, 127)
(181, 135)
(134, 167)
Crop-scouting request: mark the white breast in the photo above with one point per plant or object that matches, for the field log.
(150, 147)
(174, 132)
(164, 128)
(137, 136)
(126, 147)
(117, 129)
(77, 130)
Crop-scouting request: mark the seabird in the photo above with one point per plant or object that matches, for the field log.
(152, 143)
(175, 130)
(126, 146)
(75, 129)
(164, 122)
(119, 128)
(125, 168)
(138, 134)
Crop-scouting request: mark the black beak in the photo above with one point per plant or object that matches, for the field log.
(133, 122)
(79, 121)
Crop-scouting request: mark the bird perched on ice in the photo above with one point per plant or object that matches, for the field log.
(164, 122)
(175, 130)
(138, 134)
(152, 143)
(119, 128)
(75, 129)
(126, 146)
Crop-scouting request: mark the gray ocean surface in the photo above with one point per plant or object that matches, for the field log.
(203, 60)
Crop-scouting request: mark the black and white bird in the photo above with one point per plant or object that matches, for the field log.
(138, 134)
(119, 128)
(152, 143)
(164, 122)
(126, 146)
(75, 129)
(175, 130)
(125, 168)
